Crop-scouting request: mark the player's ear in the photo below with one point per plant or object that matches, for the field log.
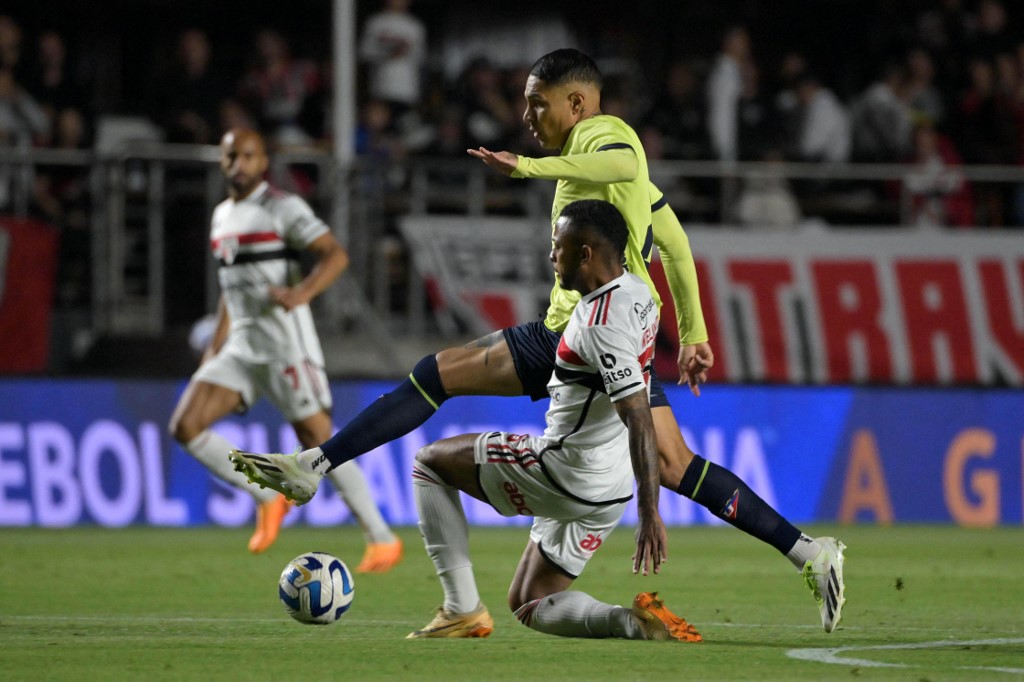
(576, 101)
(586, 254)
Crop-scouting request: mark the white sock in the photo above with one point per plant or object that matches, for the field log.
(446, 536)
(577, 614)
(805, 549)
(313, 460)
(211, 449)
(351, 484)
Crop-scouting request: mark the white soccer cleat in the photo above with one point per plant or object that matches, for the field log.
(824, 577)
(279, 472)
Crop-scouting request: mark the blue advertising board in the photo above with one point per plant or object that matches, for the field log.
(97, 452)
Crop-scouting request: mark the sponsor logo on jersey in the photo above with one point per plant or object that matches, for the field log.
(642, 311)
(607, 360)
(591, 542)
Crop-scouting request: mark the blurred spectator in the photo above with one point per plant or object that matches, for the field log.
(925, 100)
(61, 196)
(824, 133)
(938, 194)
(394, 46)
(724, 89)
(985, 128)
(881, 119)
(277, 89)
(22, 120)
(10, 46)
(757, 121)
(678, 115)
(491, 120)
(787, 105)
(992, 36)
(767, 201)
(53, 83)
(188, 101)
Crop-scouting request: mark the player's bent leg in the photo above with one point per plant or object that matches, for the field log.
(728, 497)
(539, 597)
(481, 367)
(438, 471)
(674, 455)
(201, 405)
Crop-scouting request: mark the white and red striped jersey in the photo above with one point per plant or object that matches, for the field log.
(605, 354)
(257, 242)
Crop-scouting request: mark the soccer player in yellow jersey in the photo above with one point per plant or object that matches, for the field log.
(601, 158)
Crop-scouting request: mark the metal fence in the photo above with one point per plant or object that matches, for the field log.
(149, 209)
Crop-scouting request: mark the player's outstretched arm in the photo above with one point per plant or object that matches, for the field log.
(695, 353)
(331, 261)
(651, 540)
(503, 162)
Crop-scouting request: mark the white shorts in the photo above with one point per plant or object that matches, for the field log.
(568, 531)
(296, 386)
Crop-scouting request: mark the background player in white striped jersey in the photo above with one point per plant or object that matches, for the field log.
(576, 479)
(265, 341)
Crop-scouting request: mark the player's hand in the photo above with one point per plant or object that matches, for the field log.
(503, 162)
(651, 544)
(286, 297)
(694, 362)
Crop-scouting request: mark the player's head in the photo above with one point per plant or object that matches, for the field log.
(589, 244)
(563, 88)
(243, 160)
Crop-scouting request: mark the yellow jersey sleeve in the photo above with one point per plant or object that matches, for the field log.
(680, 270)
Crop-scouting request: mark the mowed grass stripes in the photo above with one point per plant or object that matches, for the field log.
(191, 604)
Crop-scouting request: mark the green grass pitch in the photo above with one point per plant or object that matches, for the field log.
(923, 603)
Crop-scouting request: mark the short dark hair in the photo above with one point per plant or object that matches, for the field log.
(567, 66)
(594, 217)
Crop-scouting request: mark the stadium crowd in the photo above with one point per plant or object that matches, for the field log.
(939, 88)
(949, 89)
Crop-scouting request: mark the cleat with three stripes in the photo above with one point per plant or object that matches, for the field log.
(278, 472)
(824, 577)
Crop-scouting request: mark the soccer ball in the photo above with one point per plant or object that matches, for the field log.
(316, 588)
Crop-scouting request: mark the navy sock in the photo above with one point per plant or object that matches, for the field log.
(391, 416)
(729, 498)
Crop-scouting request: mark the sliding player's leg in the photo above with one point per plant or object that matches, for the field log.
(441, 470)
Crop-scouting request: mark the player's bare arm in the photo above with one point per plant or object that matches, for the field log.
(331, 261)
(220, 331)
(503, 162)
(651, 540)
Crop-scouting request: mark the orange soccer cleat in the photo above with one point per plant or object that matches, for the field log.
(659, 623)
(269, 516)
(380, 557)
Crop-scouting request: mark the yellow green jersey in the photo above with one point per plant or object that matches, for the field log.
(602, 159)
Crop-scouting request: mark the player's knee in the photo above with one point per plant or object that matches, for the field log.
(432, 456)
(183, 428)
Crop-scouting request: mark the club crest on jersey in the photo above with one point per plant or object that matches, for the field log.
(226, 249)
(732, 506)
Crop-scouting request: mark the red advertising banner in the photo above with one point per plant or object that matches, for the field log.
(851, 306)
(28, 267)
(895, 306)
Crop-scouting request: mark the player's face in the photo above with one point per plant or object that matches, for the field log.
(548, 112)
(565, 254)
(243, 161)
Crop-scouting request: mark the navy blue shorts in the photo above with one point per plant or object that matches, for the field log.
(533, 347)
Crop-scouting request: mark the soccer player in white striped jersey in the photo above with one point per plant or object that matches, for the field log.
(575, 479)
(265, 341)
